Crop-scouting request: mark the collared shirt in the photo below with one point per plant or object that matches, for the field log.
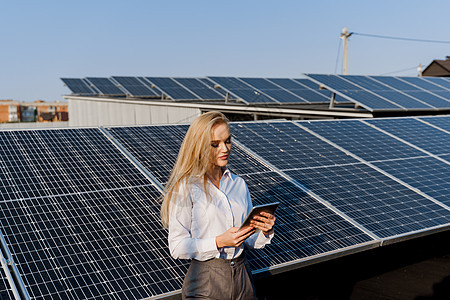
(195, 219)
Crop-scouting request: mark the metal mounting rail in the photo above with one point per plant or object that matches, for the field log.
(11, 271)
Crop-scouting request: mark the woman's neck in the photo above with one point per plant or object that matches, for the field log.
(215, 174)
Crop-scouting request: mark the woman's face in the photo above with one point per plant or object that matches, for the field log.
(220, 145)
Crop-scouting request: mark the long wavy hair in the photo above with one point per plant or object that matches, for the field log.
(194, 158)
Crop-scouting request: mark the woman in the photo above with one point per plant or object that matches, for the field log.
(203, 206)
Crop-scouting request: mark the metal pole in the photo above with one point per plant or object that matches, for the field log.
(344, 36)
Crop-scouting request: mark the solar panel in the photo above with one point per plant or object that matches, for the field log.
(417, 133)
(354, 93)
(105, 86)
(380, 204)
(287, 146)
(172, 89)
(200, 89)
(440, 81)
(78, 86)
(80, 219)
(135, 87)
(5, 290)
(430, 175)
(387, 92)
(243, 91)
(305, 227)
(442, 122)
(362, 140)
(272, 90)
(413, 91)
(316, 88)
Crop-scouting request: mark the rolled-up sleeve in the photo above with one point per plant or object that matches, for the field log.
(181, 243)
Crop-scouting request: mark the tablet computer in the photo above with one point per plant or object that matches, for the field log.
(270, 208)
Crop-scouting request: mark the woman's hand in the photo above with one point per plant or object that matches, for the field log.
(233, 238)
(264, 221)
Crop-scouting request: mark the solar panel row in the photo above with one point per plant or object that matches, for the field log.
(248, 90)
(378, 93)
(81, 221)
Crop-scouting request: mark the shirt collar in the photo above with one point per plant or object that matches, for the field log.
(228, 174)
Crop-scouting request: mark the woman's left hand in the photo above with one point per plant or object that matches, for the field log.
(264, 221)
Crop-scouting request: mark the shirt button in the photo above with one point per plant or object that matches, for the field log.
(232, 263)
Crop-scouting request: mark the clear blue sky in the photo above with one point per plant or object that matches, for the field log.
(42, 41)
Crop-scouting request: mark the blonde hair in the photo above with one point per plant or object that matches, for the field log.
(194, 158)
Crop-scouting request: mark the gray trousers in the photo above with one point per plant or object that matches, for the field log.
(227, 279)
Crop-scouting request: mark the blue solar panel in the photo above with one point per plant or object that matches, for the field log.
(387, 92)
(135, 87)
(362, 140)
(430, 175)
(78, 86)
(441, 122)
(243, 91)
(171, 88)
(200, 89)
(375, 201)
(413, 91)
(308, 95)
(417, 133)
(354, 93)
(305, 227)
(272, 90)
(105, 86)
(287, 146)
(440, 81)
(316, 88)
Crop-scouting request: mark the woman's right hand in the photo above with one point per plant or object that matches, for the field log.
(233, 237)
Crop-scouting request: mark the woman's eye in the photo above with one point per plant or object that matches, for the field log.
(214, 145)
(228, 141)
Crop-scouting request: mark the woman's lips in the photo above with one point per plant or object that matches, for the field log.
(224, 157)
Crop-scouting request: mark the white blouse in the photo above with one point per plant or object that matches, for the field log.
(196, 220)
